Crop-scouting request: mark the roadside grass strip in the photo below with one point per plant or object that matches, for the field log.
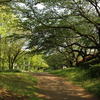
(80, 77)
(18, 86)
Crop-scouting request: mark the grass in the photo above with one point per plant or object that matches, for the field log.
(79, 77)
(18, 86)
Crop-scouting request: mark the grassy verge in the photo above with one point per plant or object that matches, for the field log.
(18, 86)
(79, 77)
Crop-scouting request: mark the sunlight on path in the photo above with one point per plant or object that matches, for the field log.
(57, 88)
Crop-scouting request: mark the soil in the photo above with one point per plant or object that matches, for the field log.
(56, 88)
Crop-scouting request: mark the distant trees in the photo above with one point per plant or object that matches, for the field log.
(56, 61)
(13, 44)
(31, 62)
(38, 62)
(10, 48)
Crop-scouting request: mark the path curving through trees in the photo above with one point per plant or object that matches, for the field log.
(56, 88)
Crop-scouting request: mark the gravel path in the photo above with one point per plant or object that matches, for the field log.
(57, 88)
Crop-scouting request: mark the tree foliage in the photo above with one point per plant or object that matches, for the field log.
(10, 48)
(57, 61)
(38, 61)
(61, 24)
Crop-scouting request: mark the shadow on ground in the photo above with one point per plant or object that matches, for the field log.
(57, 88)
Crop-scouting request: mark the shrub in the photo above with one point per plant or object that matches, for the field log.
(94, 71)
(15, 70)
(88, 64)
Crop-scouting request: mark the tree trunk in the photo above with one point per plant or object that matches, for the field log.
(0, 52)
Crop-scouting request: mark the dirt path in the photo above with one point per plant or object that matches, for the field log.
(57, 88)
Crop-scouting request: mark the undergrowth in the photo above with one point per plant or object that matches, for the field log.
(18, 86)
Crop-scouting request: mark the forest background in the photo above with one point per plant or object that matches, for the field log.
(37, 34)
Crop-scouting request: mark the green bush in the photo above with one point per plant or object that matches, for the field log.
(48, 69)
(88, 64)
(94, 70)
(15, 70)
(94, 61)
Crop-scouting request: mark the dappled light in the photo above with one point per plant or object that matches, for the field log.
(57, 88)
(17, 86)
